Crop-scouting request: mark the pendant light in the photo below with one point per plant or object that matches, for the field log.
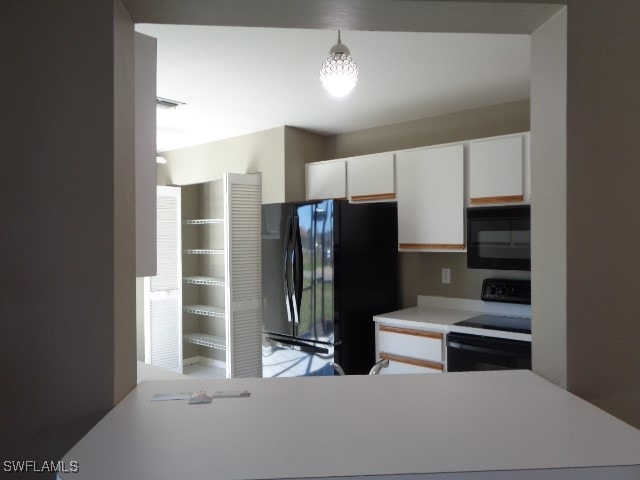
(339, 73)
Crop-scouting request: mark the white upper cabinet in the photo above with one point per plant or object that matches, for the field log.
(326, 180)
(430, 195)
(370, 178)
(498, 170)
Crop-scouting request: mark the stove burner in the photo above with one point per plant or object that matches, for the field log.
(498, 322)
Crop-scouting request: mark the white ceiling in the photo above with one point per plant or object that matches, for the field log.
(237, 80)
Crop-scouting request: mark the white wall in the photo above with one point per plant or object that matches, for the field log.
(549, 194)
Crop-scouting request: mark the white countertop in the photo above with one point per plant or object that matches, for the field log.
(440, 314)
(319, 427)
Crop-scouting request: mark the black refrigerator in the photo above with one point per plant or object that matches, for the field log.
(328, 267)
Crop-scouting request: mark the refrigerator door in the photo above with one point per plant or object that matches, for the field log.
(287, 357)
(277, 311)
(312, 263)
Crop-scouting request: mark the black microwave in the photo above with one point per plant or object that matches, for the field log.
(499, 238)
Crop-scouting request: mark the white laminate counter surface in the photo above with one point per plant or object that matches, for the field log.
(431, 317)
(441, 314)
(511, 423)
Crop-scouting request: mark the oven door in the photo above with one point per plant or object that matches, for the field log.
(468, 353)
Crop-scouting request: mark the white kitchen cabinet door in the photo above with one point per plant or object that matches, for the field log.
(371, 178)
(430, 195)
(163, 292)
(326, 180)
(496, 169)
(409, 350)
(421, 344)
(403, 365)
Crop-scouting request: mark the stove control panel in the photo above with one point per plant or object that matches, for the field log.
(506, 290)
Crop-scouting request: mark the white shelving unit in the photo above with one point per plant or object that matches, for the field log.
(203, 251)
(206, 310)
(222, 294)
(204, 221)
(199, 280)
(206, 340)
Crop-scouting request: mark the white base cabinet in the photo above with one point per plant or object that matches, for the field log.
(410, 350)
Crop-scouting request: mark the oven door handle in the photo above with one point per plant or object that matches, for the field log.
(489, 351)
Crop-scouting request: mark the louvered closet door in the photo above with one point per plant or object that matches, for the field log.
(163, 294)
(244, 287)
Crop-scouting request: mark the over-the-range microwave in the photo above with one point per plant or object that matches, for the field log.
(499, 238)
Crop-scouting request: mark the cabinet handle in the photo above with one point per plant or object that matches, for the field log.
(377, 196)
(431, 246)
(407, 331)
(504, 199)
(411, 361)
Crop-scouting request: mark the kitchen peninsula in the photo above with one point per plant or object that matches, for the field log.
(481, 425)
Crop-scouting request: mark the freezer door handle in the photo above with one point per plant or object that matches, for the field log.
(285, 269)
(305, 347)
(296, 251)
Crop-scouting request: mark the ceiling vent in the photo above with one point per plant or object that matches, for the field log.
(166, 103)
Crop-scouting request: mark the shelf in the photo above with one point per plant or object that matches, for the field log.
(203, 251)
(204, 221)
(206, 340)
(206, 310)
(199, 280)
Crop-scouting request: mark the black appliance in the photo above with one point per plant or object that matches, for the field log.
(506, 291)
(483, 350)
(499, 238)
(328, 267)
(468, 353)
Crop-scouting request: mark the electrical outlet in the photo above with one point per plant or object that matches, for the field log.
(446, 275)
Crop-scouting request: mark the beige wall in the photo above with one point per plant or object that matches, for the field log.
(257, 152)
(420, 273)
(512, 117)
(280, 154)
(549, 193)
(124, 193)
(603, 224)
(301, 147)
(62, 245)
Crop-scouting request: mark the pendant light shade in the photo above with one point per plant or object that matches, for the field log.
(339, 73)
